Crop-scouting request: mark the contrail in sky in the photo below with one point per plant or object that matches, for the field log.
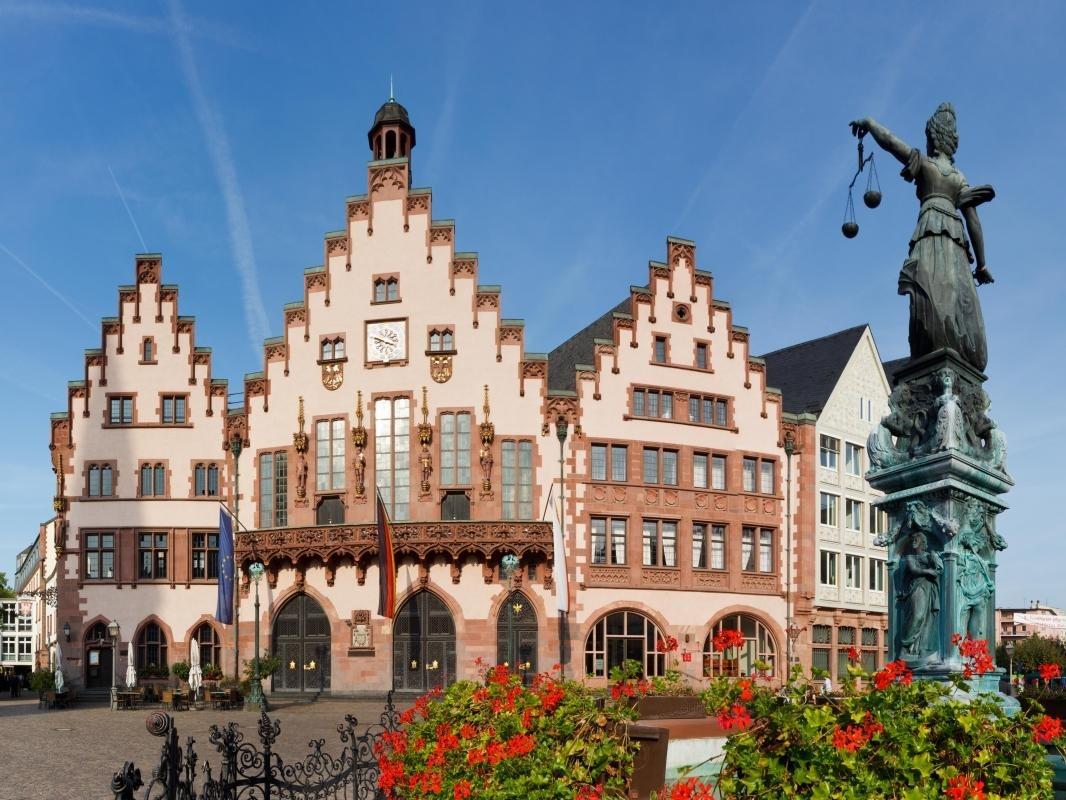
(122, 197)
(61, 297)
(226, 173)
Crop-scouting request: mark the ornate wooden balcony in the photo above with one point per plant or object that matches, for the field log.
(454, 540)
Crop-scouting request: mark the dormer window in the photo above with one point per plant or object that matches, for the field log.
(441, 340)
(332, 349)
(386, 290)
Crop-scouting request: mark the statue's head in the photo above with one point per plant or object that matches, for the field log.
(947, 380)
(941, 135)
(919, 543)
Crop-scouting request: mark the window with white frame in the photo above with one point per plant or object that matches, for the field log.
(608, 540)
(748, 553)
(828, 451)
(829, 509)
(699, 470)
(620, 636)
(718, 479)
(878, 520)
(853, 514)
(877, 575)
(759, 648)
(852, 571)
(660, 543)
(766, 550)
(517, 479)
(274, 489)
(827, 574)
(853, 459)
(329, 454)
(455, 449)
(392, 453)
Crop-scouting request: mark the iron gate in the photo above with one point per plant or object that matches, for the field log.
(250, 772)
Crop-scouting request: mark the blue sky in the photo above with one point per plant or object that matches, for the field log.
(567, 140)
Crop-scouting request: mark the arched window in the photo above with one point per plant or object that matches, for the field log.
(200, 480)
(148, 346)
(332, 349)
(151, 647)
(379, 291)
(97, 633)
(434, 340)
(106, 484)
(212, 480)
(160, 480)
(327, 349)
(392, 289)
(449, 340)
(210, 647)
(622, 636)
(390, 144)
(759, 646)
(146, 480)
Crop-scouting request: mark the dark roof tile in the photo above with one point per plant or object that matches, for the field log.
(806, 373)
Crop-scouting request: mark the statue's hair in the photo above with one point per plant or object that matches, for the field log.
(919, 536)
(941, 131)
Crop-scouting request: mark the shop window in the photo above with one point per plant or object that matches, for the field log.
(621, 636)
(759, 648)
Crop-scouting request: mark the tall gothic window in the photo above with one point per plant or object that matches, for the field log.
(210, 647)
(392, 453)
(151, 647)
(455, 449)
(517, 479)
(273, 490)
(329, 454)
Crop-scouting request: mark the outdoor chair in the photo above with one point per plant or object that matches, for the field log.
(168, 699)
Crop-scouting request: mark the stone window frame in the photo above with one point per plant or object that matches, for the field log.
(760, 459)
(154, 463)
(660, 473)
(206, 578)
(658, 336)
(709, 525)
(706, 345)
(660, 547)
(654, 661)
(679, 400)
(206, 464)
(611, 446)
(442, 331)
(332, 489)
(609, 541)
(83, 563)
(387, 281)
(472, 450)
(332, 339)
(150, 341)
(163, 397)
(274, 452)
(87, 466)
(112, 396)
(153, 549)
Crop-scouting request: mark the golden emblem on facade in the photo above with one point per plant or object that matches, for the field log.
(440, 368)
(333, 375)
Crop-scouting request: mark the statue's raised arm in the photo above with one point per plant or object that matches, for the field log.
(937, 276)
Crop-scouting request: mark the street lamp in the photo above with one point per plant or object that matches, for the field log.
(236, 445)
(113, 631)
(255, 699)
(66, 630)
(561, 430)
(508, 564)
(1009, 648)
(790, 449)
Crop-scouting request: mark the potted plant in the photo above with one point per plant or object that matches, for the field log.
(212, 675)
(180, 670)
(671, 695)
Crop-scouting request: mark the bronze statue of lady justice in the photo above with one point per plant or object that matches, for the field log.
(944, 309)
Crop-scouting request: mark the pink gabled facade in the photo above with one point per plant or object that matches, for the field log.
(396, 372)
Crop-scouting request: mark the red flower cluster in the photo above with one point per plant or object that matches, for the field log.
(667, 645)
(853, 654)
(975, 651)
(627, 688)
(1047, 729)
(462, 790)
(896, 671)
(745, 689)
(590, 792)
(855, 737)
(726, 639)
(963, 787)
(1049, 671)
(735, 717)
(690, 789)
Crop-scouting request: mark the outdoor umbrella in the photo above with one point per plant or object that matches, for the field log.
(196, 675)
(131, 676)
(59, 669)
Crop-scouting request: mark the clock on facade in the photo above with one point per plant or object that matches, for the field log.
(386, 341)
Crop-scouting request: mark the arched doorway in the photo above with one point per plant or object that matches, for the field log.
(423, 645)
(98, 657)
(301, 640)
(759, 648)
(516, 636)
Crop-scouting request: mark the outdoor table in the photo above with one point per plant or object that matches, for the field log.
(127, 699)
(217, 699)
(61, 699)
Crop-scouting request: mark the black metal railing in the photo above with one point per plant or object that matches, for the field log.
(247, 771)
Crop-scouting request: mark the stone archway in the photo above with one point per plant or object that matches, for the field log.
(423, 646)
(301, 639)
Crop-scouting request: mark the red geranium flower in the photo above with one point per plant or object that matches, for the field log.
(896, 671)
(1049, 671)
(963, 787)
(1047, 729)
(461, 791)
(853, 654)
(727, 638)
(735, 717)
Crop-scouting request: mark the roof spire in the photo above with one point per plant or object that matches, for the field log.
(392, 94)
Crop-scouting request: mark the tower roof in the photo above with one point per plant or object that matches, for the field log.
(391, 113)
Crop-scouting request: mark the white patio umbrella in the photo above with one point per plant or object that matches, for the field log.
(196, 675)
(131, 676)
(59, 669)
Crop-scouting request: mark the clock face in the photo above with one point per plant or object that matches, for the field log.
(386, 341)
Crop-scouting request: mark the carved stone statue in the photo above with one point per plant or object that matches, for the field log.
(301, 477)
(976, 586)
(885, 451)
(944, 309)
(919, 595)
(950, 427)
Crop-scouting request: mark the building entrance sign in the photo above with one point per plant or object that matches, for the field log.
(423, 654)
(302, 641)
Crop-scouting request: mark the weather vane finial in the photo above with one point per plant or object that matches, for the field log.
(392, 94)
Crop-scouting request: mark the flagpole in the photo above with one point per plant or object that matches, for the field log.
(236, 445)
(560, 558)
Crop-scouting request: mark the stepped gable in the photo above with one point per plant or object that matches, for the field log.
(806, 373)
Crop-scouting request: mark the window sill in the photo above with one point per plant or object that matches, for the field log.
(681, 422)
(707, 370)
(442, 352)
(386, 302)
(109, 425)
(340, 360)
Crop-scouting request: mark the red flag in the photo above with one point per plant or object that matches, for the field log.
(386, 561)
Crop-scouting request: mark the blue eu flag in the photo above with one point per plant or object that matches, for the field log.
(224, 611)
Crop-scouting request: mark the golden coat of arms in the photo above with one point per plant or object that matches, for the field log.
(440, 368)
(333, 375)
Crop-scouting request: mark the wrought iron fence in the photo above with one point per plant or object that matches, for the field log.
(250, 772)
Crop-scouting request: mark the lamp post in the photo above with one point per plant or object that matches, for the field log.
(509, 563)
(236, 445)
(790, 449)
(66, 630)
(113, 631)
(1009, 647)
(561, 429)
(255, 699)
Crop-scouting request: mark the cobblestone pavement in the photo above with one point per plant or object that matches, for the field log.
(72, 753)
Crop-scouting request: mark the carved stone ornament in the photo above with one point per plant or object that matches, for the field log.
(359, 441)
(362, 631)
(300, 443)
(488, 436)
(440, 368)
(333, 375)
(425, 439)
